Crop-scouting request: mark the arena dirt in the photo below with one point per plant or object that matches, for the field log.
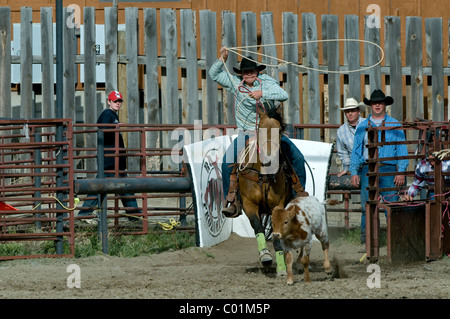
(227, 270)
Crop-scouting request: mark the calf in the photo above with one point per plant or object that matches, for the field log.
(295, 225)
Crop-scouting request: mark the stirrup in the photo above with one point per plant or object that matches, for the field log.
(231, 211)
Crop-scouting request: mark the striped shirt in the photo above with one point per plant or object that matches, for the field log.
(245, 107)
(423, 175)
(344, 142)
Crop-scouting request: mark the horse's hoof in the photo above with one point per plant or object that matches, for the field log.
(281, 273)
(265, 257)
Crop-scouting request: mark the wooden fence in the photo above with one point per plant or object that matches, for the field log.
(175, 87)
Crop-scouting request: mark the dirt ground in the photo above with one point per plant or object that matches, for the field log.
(227, 270)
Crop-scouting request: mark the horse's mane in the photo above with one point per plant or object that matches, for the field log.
(273, 114)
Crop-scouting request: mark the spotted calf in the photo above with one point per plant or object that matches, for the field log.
(295, 225)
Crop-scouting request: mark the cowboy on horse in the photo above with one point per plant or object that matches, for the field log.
(254, 92)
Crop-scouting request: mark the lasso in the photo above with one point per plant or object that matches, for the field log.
(282, 62)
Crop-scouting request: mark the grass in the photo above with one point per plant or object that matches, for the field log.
(90, 245)
(353, 236)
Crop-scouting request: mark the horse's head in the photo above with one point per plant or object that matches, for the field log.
(271, 127)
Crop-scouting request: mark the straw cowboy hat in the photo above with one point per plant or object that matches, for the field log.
(248, 64)
(351, 103)
(379, 96)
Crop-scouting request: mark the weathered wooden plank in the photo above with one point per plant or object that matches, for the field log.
(91, 111)
(168, 27)
(290, 54)
(189, 52)
(414, 59)
(229, 40)
(393, 60)
(334, 83)
(69, 78)
(135, 112)
(90, 78)
(48, 80)
(209, 53)
(352, 57)
(170, 109)
(5, 61)
(433, 32)
(151, 66)
(26, 71)
(269, 50)
(309, 30)
(131, 22)
(249, 34)
(110, 49)
(372, 55)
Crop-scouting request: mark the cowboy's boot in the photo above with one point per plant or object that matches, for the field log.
(230, 210)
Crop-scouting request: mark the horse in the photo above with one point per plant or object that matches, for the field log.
(265, 182)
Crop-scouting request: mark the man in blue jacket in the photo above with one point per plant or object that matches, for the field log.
(358, 166)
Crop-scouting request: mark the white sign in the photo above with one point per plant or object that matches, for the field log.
(204, 160)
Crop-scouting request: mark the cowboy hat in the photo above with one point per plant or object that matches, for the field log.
(249, 64)
(351, 103)
(379, 96)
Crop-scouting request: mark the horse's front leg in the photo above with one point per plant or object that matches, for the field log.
(264, 254)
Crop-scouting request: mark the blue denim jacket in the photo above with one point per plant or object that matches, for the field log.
(357, 158)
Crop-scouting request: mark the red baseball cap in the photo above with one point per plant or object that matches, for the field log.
(114, 96)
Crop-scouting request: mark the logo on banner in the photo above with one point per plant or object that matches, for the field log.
(212, 190)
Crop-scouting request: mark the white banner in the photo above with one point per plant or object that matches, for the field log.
(204, 160)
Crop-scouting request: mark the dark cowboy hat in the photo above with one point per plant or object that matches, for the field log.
(248, 64)
(379, 96)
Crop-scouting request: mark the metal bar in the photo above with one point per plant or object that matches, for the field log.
(128, 184)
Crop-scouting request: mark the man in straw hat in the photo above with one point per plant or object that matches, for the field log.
(346, 132)
(358, 166)
(252, 90)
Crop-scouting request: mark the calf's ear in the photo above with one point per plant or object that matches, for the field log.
(292, 212)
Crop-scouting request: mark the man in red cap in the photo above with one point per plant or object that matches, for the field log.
(111, 116)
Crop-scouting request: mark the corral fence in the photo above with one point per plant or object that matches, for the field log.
(160, 59)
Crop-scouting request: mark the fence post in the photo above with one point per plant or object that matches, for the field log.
(334, 83)
(312, 109)
(134, 111)
(229, 40)
(209, 53)
(394, 62)
(5, 61)
(290, 35)
(26, 63)
(414, 60)
(433, 31)
(151, 62)
(372, 55)
(48, 80)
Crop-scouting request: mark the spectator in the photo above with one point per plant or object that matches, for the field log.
(346, 132)
(111, 115)
(358, 166)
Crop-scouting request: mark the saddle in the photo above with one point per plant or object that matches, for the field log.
(289, 170)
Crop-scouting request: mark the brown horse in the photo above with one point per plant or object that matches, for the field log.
(264, 182)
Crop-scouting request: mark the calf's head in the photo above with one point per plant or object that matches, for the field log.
(283, 221)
